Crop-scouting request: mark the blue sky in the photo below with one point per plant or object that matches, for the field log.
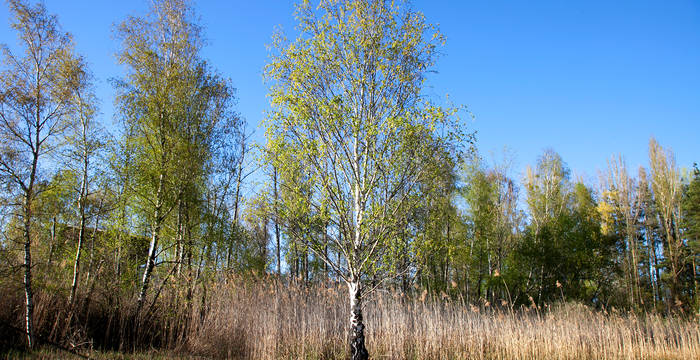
(589, 79)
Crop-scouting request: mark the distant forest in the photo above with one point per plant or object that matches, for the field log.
(366, 182)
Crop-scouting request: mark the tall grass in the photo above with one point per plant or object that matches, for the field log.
(265, 319)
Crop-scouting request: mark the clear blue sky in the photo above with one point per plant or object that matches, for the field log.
(587, 78)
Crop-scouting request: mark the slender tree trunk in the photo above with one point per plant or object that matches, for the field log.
(122, 218)
(236, 201)
(150, 263)
(188, 239)
(92, 257)
(478, 283)
(633, 267)
(81, 230)
(294, 266)
(76, 264)
(647, 272)
(487, 293)
(53, 241)
(404, 260)
(673, 259)
(29, 296)
(160, 289)
(90, 273)
(82, 199)
(539, 293)
(91, 260)
(630, 275)
(179, 236)
(467, 279)
(636, 273)
(277, 225)
(326, 269)
(695, 284)
(203, 301)
(652, 277)
(358, 351)
(655, 262)
(306, 265)
(447, 258)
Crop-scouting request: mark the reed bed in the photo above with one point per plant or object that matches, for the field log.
(267, 319)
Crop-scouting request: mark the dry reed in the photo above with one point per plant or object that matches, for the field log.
(266, 319)
(270, 321)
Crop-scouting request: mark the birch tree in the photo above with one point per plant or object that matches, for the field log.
(622, 195)
(85, 140)
(34, 108)
(666, 186)
(493, 220)
(549, 196)
(546, 188)
(348, 105)
(176, 108)
(650, 225)
(479, 195)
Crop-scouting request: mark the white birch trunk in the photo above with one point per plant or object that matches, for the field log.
(81, 231)
(29, 296)
(358, 351)
(150, 263)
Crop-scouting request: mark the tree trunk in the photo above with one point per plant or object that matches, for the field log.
(467, 279)
(326, 269)
(655, 261)
(180, 246)
(447, 258)
(29, 296)
(76, 264)
(306, 265)
(53, 241)
(92, 242)
(357, 327)
(673, 258)
(629, 277)
(404, 260)
(85, 158)
(277, 225)
(695, 284)
(236, 201)
(89, 272)
(150, 263)
(188, 240)
(81, 236)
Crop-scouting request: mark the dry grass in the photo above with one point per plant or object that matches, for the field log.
(267, 320)
(261, 322)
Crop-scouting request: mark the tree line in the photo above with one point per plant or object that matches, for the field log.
(367, 181)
